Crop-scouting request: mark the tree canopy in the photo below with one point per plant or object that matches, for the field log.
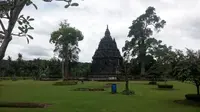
(141, 32)
(188, 68)
(66, 40)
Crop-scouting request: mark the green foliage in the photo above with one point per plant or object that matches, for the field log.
(10, 10)
(54, 68)
(37, 67)
(66, 41)
(162, 68)
(188, 67)
(141, 31)
(80, 69)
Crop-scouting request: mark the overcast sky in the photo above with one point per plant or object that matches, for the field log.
(91, 17)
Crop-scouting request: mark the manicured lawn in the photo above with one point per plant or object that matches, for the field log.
(147, 98)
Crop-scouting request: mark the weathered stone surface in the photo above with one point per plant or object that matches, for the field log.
(107, 59)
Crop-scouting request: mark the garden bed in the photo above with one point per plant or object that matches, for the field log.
(188, 102)
(63, 83)
(193, 97)
(165, 86)
(129, 92)
(89, 89)
(49, 79)
(23, 105)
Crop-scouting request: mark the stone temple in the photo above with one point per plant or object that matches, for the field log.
(107, 60)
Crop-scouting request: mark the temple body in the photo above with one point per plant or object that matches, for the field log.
(107, 60)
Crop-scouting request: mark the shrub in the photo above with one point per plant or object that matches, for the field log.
(193, 97)
(153, 83)
(66, 83)
(129, 92)
(165, 86)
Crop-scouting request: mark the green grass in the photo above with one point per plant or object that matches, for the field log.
(147, 98)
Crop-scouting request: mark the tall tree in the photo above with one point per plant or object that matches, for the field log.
(66, 44)
(10, 12)
(141, 31)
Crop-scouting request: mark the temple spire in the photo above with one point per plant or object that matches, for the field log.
(107, 33)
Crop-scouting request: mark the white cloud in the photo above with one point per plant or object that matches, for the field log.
(92, 16)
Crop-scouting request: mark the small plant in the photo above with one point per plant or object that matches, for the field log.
(128, 92)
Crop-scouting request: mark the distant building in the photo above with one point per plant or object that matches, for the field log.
(107, 60)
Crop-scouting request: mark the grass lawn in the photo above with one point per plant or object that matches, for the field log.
(147, 98)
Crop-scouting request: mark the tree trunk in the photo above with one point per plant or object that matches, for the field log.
(127, 88)
(142, 57)
(126, 79)
(4, 46)
(66, 69)
(63, 69)
(142, 67)
(69, 69)
(12, 20)
(197, 86)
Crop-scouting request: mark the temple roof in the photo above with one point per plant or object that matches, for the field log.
(107, 47)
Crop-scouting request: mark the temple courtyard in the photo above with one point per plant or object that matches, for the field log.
(147, 98)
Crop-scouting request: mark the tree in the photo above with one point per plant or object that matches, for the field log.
(126, 62)
(141, 32)
(54, 66)
(188, 68)
(164, 57)
(18, 67)
(66, 40)
(10, 12)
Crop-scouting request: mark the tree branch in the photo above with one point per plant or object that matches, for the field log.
(2, 26)
(18, 35)
(8, 17)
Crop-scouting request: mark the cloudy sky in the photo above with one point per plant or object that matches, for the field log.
(91, 17)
